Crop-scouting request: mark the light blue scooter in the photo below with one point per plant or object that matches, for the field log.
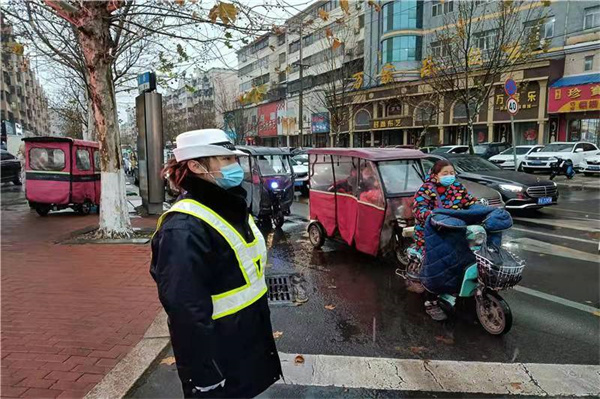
(481, 280)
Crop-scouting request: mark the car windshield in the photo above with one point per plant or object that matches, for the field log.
(301, 158)
(442, 150)
(400, 176)
(480, 149)
(556, 147)
(473, 164)
(273, 165)
(520, 151)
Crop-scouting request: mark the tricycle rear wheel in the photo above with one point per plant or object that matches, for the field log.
(42, 210)
(493, 313)
(84, 209)
(316, 235)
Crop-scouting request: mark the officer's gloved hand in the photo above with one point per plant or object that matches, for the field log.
(210, 388)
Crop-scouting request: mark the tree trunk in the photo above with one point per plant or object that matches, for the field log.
(90, 131)
(471, 136)
(96, 43)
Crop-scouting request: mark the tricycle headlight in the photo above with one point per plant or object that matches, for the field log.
(513, 188)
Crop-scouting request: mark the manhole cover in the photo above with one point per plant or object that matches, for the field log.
(280, 290)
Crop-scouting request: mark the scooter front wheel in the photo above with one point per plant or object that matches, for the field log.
(493, 313)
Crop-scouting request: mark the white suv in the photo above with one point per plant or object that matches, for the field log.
(541, 160)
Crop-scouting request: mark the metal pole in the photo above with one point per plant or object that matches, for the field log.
(300, 96)
(514, 140)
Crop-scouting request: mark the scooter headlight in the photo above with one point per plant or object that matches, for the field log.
(274, 185)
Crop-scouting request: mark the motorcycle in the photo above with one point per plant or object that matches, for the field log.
(277, 214)
(482, 280)
(562, 167)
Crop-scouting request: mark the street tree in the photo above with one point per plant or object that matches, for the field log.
(99, 28)
(478, 43)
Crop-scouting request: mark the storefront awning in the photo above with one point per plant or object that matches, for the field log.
(577, 80)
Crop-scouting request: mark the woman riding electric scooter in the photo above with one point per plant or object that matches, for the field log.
(440, 190)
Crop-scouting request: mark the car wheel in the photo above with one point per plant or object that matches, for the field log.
(17, 181)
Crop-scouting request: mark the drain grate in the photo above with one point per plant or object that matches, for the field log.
(280, 290)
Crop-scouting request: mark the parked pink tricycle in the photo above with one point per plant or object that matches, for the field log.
(62, 173)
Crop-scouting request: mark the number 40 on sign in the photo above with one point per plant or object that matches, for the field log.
(512, 106)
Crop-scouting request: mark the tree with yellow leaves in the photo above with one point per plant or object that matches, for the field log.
(92, 36)
(477, 44)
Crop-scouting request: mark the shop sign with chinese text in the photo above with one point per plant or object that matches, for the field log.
(386, 123)
(579, 98)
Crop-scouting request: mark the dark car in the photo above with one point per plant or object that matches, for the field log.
(488, 150)
(10, 168)
(519, 190)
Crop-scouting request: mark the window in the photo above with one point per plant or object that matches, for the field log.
(402, 48)
(588, 63)
(539, 30)
(439, 49)
(589, 147)
(486, 40)
(82, 160)
(400, 15)
(246, 86)
(442, 7)
(400, 176)
(281, 39)
(346, 175)
(97, 160)
(245, 164)
(281, 59)
(294, 46)
(591, 18)
(273, 164)
(282, 77)
(361, 21)
(46, 159)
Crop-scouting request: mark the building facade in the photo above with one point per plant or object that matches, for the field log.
(315, 53)
(200, 101)
(557, 89)
(23, 104)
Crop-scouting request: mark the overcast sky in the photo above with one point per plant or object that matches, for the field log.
(222, 56)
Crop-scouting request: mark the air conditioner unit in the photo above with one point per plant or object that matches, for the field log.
(359, 5)
(350, 52)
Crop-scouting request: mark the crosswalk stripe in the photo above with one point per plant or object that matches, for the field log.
(441, 375)
(553, 235)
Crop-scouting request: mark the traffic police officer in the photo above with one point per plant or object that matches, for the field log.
(208, 261)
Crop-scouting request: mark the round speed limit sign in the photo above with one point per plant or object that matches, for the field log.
(512, 106)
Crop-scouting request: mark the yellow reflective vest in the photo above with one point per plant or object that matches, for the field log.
(251, 257)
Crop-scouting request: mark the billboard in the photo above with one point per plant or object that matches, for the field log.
(320, 122)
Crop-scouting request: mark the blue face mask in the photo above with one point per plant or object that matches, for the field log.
(232, 176)
(447, 180)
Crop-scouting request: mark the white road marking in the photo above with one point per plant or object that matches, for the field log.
(441, 375)
(554, 235)
(559, 300)
(529, 244)
(583, 224)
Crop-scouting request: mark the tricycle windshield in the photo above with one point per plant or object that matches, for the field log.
(271, 165)
(401, 176)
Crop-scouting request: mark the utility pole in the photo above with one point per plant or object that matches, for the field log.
(301, 96)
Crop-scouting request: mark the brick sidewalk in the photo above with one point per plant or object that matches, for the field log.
(69, 312)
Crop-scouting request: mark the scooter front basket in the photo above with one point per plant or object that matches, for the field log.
(498, 268)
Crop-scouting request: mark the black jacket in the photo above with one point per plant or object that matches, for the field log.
(190, 262)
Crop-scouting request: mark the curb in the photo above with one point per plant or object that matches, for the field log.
(118, 382)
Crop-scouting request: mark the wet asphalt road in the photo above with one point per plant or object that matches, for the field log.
(374, 315)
